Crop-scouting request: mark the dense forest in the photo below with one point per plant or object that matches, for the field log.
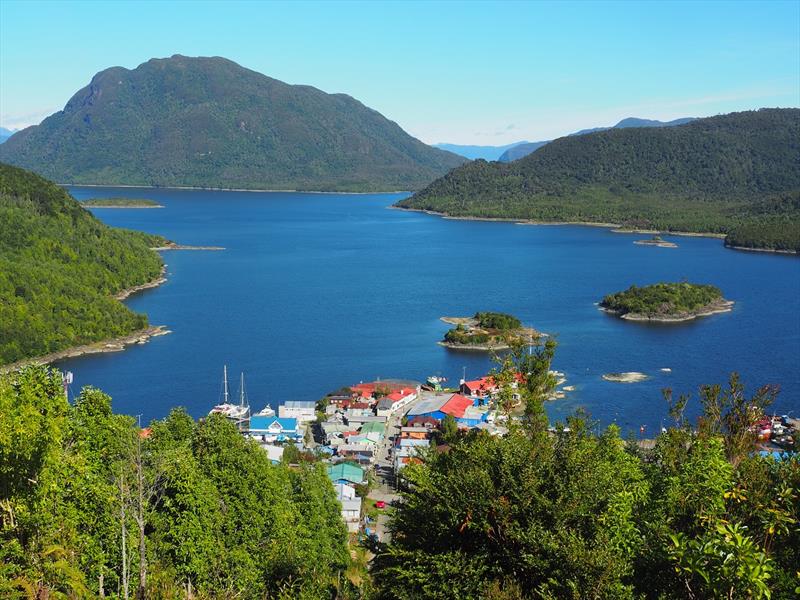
(734, 174)
(581, 514)
(91, 505)
(209, 122)
(59, 267)
(662, 299)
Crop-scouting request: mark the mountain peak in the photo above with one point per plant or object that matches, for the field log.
(209, 122)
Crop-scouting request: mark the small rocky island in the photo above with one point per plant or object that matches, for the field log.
(627, 377)
(666, 302)
(120, 203)
(657, 241)
(486, 331)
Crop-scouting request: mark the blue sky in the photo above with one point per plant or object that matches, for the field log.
(474, 73)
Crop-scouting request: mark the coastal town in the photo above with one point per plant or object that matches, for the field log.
(369, 432)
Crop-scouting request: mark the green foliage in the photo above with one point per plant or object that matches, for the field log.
(217, 514)
(574, 514)
(734, 174)
(496, 320)
(59, 267)
(208, 122)
(663, 299)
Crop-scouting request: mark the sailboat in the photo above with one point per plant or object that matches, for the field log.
(235, 412)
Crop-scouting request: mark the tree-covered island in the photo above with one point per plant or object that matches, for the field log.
(666, 302)
(121, 203)
(486, 331)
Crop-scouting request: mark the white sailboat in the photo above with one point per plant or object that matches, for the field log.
(235, 412)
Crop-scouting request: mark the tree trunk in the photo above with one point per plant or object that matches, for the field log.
(124, 529)
(101, 589)
(141, 594)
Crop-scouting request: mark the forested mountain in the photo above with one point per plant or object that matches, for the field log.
(209, 122)
(474, 152)
(59, 267)
(519, 150)
(732, 173)
(91, 506)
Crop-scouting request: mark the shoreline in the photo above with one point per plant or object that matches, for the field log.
(722, 306)
(174, 246)
(770, 250)
(132, 206)
(117, 344)
(219, 189)
(615, 227)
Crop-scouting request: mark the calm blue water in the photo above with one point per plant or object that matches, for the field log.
(317, 291)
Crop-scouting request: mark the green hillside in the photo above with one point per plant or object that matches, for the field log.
(732, 173)
(59, 267)
(85, 497)
(209, 122)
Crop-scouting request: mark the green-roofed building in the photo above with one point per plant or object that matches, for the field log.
(346, 473)
(372, 427)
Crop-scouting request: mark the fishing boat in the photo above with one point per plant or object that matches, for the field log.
(238, 413)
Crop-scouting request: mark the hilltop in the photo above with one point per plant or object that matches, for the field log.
(517, 151)
(208, 122)
(59, 270)
(734, 174)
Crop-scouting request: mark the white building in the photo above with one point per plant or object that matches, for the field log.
(351, 505)
(302, 410)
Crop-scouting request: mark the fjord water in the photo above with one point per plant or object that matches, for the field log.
(318, 291)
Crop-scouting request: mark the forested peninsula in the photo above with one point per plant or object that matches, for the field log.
(666, 302)
(60, 268)
(735, 174)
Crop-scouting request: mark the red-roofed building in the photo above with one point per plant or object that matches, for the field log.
(456, 406)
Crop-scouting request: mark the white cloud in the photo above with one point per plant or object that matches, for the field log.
(21, 121)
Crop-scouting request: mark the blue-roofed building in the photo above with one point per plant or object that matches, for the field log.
(274, 429)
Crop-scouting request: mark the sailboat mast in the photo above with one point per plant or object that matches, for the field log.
(225, 382)
(241, 391)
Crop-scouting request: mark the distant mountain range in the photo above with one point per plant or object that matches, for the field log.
(208, 122)
(475, 152)
(735, 174)
(5, 134)
(517, 151)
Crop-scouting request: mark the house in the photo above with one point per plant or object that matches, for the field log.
(384, 407)
(302, 410)
(361, 452)
(346, 473)
(373, 427)
(423, 421)
(439, 406)
(274, 429)
(414, 433)
(479, 388)
(351, 505)
(407, 451)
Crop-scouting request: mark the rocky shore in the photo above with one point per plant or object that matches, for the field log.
(720, 306)
(117, 344)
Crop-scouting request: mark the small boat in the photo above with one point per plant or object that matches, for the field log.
(267, 411)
